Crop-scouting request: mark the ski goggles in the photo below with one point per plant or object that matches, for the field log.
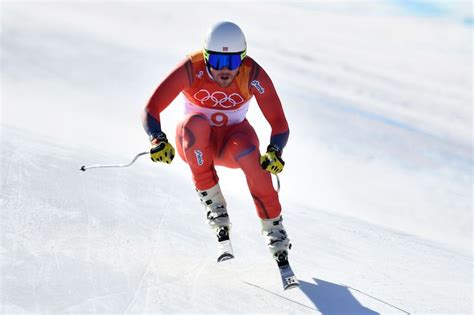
(220, 61)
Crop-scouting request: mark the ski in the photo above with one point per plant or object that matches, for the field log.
(288, 277)
(224, 245)
(225, 251)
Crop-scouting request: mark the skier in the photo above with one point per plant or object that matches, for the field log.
(218, 83)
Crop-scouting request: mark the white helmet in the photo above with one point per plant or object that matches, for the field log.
(225, 37)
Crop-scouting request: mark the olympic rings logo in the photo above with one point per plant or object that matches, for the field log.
(218, 98)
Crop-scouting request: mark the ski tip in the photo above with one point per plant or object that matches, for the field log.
(224, 257)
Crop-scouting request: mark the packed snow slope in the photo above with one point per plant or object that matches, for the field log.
(376, 191)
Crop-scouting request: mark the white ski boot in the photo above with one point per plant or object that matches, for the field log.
(274, 233)
(218, 219)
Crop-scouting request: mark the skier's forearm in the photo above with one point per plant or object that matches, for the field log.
(150, 124)
(270, 105)
(280, 139)
(277, 120)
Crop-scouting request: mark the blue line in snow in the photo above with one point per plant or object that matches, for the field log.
(377, 117)
(353, 109)
(422, 8)
(469, 21)
(437, 8)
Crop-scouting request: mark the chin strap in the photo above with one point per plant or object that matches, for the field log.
(208, 70)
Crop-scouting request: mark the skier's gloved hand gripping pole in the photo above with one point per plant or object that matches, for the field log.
(161, 151)
(272, 162)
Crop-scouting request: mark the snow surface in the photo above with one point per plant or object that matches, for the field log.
(377, 189)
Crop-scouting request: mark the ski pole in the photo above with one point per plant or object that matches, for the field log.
(278, 182)
(84, 168)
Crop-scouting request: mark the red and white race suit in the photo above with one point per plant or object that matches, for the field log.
(215, 130)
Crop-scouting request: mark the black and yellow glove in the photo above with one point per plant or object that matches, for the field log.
(272, 161)
(161, 150)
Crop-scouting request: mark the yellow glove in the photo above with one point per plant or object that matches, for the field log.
(161, 150)
(272, 161)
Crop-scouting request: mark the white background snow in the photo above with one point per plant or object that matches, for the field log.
(376, 191)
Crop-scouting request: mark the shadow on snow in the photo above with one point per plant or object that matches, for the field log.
(333, 299)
